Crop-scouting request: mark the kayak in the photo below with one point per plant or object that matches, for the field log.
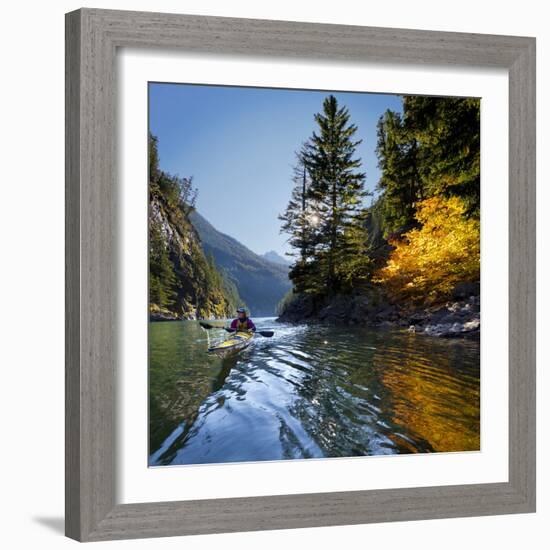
(236, 342)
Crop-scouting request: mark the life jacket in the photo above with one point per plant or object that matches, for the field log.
(242, 326)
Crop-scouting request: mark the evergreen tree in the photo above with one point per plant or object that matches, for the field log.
(162, 279)
(355, 264)
(400, 181)
(300, 221)
(154, 170)
(431, 150)
(448, 131)
(336, 189)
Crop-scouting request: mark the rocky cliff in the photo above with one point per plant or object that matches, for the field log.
(184, 283)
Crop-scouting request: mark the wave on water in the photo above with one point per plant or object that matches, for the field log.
(310, 392)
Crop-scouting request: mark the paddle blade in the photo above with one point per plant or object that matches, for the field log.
(266, 333)
(208, 326)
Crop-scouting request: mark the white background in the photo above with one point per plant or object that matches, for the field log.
(136, 482)
(32, 270)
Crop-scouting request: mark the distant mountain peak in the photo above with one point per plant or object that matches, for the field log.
(260, 282)
(276, 258)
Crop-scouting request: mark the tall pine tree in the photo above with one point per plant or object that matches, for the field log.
(336, 190)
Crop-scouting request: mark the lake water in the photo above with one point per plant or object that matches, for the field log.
(309, 392)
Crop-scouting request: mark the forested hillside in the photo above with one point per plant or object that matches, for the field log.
(184, 283)
(417, 242)
(260, 282)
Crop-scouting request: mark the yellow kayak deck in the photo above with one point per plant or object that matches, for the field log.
(234, 343)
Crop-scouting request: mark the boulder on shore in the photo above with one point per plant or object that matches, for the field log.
(457, 318)
(157, 313)
(163, 316)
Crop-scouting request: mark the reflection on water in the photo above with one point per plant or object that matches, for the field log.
(310, 392)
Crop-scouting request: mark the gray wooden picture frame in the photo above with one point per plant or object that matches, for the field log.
(92, 39)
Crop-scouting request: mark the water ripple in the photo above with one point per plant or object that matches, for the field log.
(310, 392)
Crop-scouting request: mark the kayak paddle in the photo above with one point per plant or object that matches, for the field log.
(208, 326)
(266, 333)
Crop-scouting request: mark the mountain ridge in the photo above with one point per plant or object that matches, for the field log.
(276, 258)
(260, 282)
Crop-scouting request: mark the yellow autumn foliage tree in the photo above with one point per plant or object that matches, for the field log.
(429, 261)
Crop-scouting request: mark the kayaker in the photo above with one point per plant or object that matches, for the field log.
(243, 323)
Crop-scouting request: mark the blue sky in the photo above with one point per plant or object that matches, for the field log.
(239, 143)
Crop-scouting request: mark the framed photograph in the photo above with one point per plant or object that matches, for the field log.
(300, 275)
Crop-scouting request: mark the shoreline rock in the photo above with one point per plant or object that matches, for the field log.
(456, 318)
(157, 316)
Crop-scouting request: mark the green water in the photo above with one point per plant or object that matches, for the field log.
(309, 392)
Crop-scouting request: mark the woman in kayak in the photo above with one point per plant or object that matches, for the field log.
(243, 323)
